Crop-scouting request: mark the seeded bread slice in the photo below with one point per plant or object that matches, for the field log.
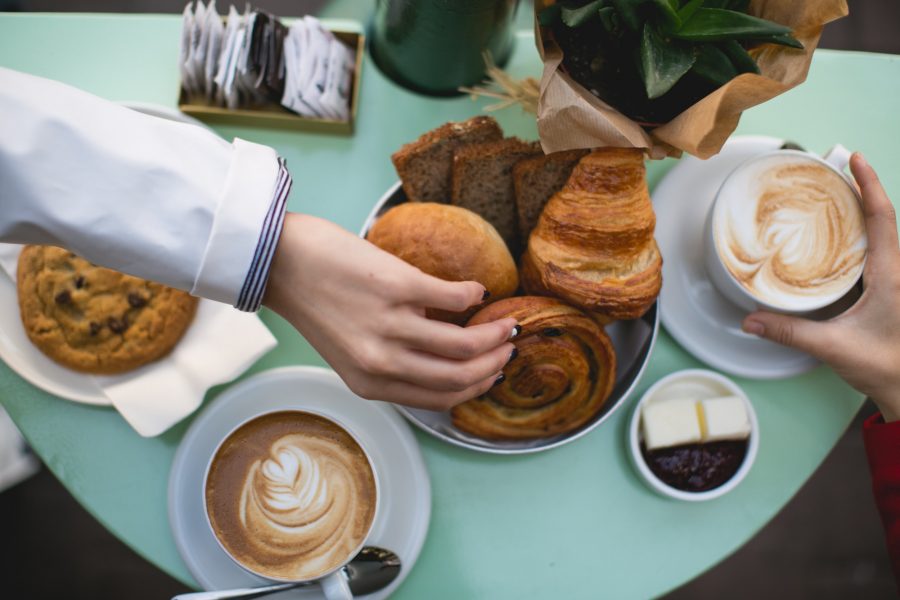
(425, 165)
(483, 183)
(535, 180)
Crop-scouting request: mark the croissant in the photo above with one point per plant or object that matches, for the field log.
(593, 245)
(562, 376)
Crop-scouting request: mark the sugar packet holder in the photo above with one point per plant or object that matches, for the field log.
(335, 78)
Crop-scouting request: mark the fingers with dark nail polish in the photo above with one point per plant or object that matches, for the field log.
(500, 379)
(512, 355)
(516, 331)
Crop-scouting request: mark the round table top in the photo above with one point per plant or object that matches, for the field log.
(572, 522)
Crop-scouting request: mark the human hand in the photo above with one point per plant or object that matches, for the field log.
(862, 344)
(364, 311)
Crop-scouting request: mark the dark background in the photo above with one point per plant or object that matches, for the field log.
(826, 544)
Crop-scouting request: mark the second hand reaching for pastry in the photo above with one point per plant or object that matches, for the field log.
(364, 311)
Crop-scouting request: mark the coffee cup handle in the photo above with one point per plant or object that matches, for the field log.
(838, 157)
(336, 586)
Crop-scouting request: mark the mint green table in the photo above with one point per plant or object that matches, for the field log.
(574, 522)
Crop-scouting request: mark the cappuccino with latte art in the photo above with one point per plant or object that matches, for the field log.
(291, 495)
(788, 230)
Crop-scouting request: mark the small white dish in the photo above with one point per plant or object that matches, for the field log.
(405, 506)
(698, 383)
(703, 321)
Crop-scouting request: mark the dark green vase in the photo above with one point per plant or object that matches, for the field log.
(436, 46)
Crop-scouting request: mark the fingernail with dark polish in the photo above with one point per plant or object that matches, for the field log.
(516, 331)
(500, 379)
(512, 355)
(485, 295)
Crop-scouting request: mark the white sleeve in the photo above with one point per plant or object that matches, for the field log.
(165, 201)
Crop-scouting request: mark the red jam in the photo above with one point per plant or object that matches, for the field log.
(696, 467)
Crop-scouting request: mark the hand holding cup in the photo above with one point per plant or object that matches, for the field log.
(863, 343)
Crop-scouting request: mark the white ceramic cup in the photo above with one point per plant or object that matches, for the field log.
(836, 160)
(334, 583)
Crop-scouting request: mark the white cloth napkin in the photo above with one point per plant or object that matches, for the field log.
(220, 344)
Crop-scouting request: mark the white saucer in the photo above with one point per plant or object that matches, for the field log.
(698, 317)
(405, 511)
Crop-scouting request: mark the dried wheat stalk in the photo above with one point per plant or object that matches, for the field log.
(511, 91)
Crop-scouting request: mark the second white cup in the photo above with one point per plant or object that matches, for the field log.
(786, 233)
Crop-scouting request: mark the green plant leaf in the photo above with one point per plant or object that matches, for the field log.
(715, 24)
(576, 17)
(738, 5)
(668, 17)
(608, 18)
(628, 12)
(663, 62)
(549, 15)
(784, 40)
(713, 65)
(739, 57)
(687, 11)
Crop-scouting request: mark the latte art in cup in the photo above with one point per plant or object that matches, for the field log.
(291, 495)
(790, 230)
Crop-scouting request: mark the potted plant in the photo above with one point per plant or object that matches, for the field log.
(668, 75)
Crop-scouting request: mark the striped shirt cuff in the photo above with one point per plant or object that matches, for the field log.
(254, 287)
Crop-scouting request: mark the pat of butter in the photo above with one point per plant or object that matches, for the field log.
(724, 418)
(670, 423)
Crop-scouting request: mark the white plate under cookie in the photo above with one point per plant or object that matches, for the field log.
(405, 510)
(17, 351)
(705, 323)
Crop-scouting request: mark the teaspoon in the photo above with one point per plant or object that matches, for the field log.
(372, 569)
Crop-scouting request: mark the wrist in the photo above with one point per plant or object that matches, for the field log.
(888, 405)
(278, 285)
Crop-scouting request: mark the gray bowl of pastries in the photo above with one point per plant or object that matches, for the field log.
(632, 339)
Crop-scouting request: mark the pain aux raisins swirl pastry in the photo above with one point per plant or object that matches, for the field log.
(564, 372)
(93, 319)
(593, 245)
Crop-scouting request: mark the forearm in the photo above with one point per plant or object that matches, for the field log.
(162, 200)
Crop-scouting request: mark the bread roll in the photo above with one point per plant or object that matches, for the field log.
(593, 245)
(450, 243)
(560, 380)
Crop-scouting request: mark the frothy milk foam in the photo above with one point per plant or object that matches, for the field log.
(291, 495)
(790, 230)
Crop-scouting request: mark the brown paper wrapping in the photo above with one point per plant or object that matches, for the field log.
(571, 117)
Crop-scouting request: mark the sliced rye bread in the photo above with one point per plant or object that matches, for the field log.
(483, 183)
(535, 180)
(425, 166)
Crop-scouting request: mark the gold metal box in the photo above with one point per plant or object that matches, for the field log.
(279, 117)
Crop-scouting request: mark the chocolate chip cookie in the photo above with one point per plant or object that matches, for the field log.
(93, 319)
